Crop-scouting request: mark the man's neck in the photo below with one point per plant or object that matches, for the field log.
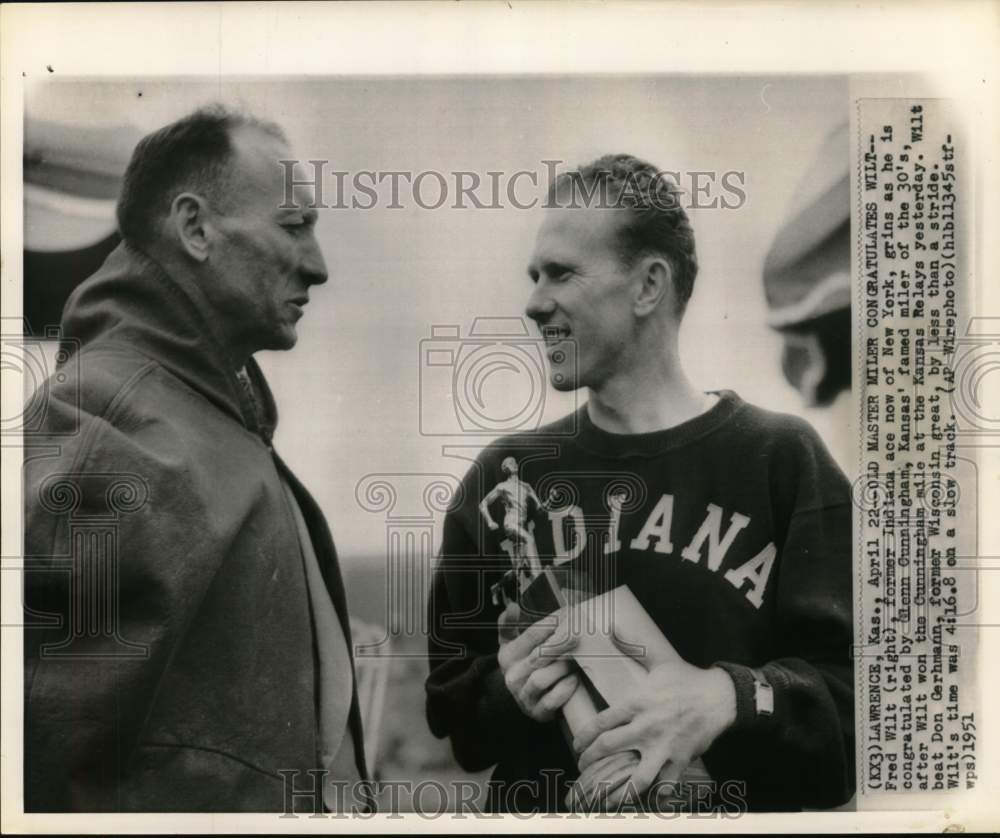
(645, 401)
(236, 354)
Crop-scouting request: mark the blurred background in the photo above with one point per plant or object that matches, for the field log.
(385, 395)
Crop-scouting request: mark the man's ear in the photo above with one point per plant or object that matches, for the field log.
(189, 223)
(656, 285)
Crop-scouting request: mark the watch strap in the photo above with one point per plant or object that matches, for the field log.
(754, 694)
(763, 694)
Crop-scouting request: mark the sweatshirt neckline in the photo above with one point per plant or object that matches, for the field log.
(608, 444)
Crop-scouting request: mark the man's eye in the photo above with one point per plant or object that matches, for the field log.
(553, 275)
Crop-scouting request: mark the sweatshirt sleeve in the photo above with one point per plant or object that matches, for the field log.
(467, 699)
(802, 755)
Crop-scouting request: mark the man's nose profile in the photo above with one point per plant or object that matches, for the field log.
(539, 306)
(314, 268)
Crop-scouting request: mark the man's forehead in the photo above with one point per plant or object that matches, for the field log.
(578, 230)
(258, 155)
(257, 151)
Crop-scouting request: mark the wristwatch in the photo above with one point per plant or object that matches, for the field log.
(754, 694)
(763, 694)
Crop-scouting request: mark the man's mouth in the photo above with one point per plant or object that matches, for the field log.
(554, 335)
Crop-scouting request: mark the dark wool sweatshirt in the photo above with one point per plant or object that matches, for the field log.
(732, 529)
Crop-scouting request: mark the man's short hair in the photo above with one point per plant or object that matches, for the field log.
(192, 154)
(656, 222)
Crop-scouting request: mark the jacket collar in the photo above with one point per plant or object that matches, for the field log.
(132, 300)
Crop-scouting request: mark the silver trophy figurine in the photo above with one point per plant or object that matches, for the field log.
(608, 676)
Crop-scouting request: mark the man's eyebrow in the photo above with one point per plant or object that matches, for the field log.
(550, 267)
(307, 212)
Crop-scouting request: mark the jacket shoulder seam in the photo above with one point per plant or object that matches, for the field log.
(110, 412)
(94, 433)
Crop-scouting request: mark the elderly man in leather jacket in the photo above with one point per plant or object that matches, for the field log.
(187, 645)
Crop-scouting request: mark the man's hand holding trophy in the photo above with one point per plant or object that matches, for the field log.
(633, 710)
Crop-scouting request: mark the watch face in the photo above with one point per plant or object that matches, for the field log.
(764, 696)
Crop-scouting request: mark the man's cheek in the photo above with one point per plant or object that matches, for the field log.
(252, 244)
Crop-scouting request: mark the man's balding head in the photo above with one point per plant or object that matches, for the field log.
(203, 197)
(193, 154)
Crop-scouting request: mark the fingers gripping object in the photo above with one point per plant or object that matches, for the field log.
(608, 677)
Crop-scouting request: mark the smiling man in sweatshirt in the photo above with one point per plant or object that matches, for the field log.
(734, 534)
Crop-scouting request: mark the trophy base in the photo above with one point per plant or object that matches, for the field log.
(609, 676)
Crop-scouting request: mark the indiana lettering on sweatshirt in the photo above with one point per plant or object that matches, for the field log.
(570, 532)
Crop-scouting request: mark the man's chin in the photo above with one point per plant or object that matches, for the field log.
(288, 336)
(282, 341)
